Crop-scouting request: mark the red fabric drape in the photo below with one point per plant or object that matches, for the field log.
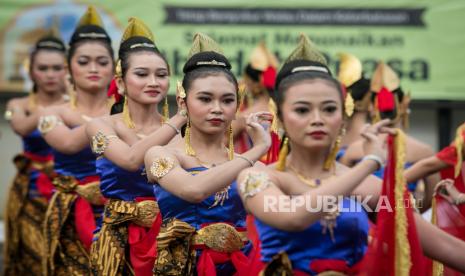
(44, 185)
(380, 258)
(210, 257)
(450, 218)
(143, 245)
(84, 219)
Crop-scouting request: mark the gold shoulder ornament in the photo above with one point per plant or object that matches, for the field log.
(161, 166)
(47, 123)
(254, 183)
(100, 142)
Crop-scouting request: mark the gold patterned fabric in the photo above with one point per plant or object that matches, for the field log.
(175, 255)
(177, 240)
(64, 253)
(280, 265)
(109, 252)
(23, 222)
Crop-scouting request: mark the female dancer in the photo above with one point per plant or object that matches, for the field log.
(448, 210)
(204, 221)
(310, 105)
(357, 99)
(27, 202)
(259, 79)
(123, 243)
(70, 220)
(448, 161)
(394, 105)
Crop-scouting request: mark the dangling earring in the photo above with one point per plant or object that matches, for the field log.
(126, 115)
(376, 117)
(187, 139)
(72, 92)
(166, 110)
(231, 143)
(281, 166)
(73, 98)
(329, 162)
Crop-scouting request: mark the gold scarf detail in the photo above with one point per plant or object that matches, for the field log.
(176, 240)
(175, 256)
(108, 252)
(61, 240)
(279, 265)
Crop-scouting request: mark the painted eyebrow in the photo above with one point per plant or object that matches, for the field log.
(329, 101)
(206, 93)
(146, 68)
(89, 57)
(308, 103)
(302, 102)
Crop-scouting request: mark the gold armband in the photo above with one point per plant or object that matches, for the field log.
(161, 167)
(8, 115)
(10, 112)
(254, 183)
(47, 123)
(100, 142)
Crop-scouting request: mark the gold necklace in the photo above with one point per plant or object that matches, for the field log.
(222, 195)
(328, 221)
(206, 164)
(310, 182)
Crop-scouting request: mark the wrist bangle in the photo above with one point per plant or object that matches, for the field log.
(173, 127)
(375, 158)
(246, 159)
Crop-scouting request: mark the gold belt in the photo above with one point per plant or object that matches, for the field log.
(220, 237)
(142, 213)
(42, 166)
(89, 191)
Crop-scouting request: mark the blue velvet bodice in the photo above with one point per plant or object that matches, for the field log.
(232, 211)
(350, 243)
(199, 214)
(80, 165)
(117, 183)
(34, 143)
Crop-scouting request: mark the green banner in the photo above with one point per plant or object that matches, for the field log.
(422, 40)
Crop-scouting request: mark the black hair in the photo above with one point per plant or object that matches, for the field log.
(287, 77)
(125, 51)
(205, 64)
(49, 44)
(73, 47)
(89, 33)
(252, 73)
(359, 89)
